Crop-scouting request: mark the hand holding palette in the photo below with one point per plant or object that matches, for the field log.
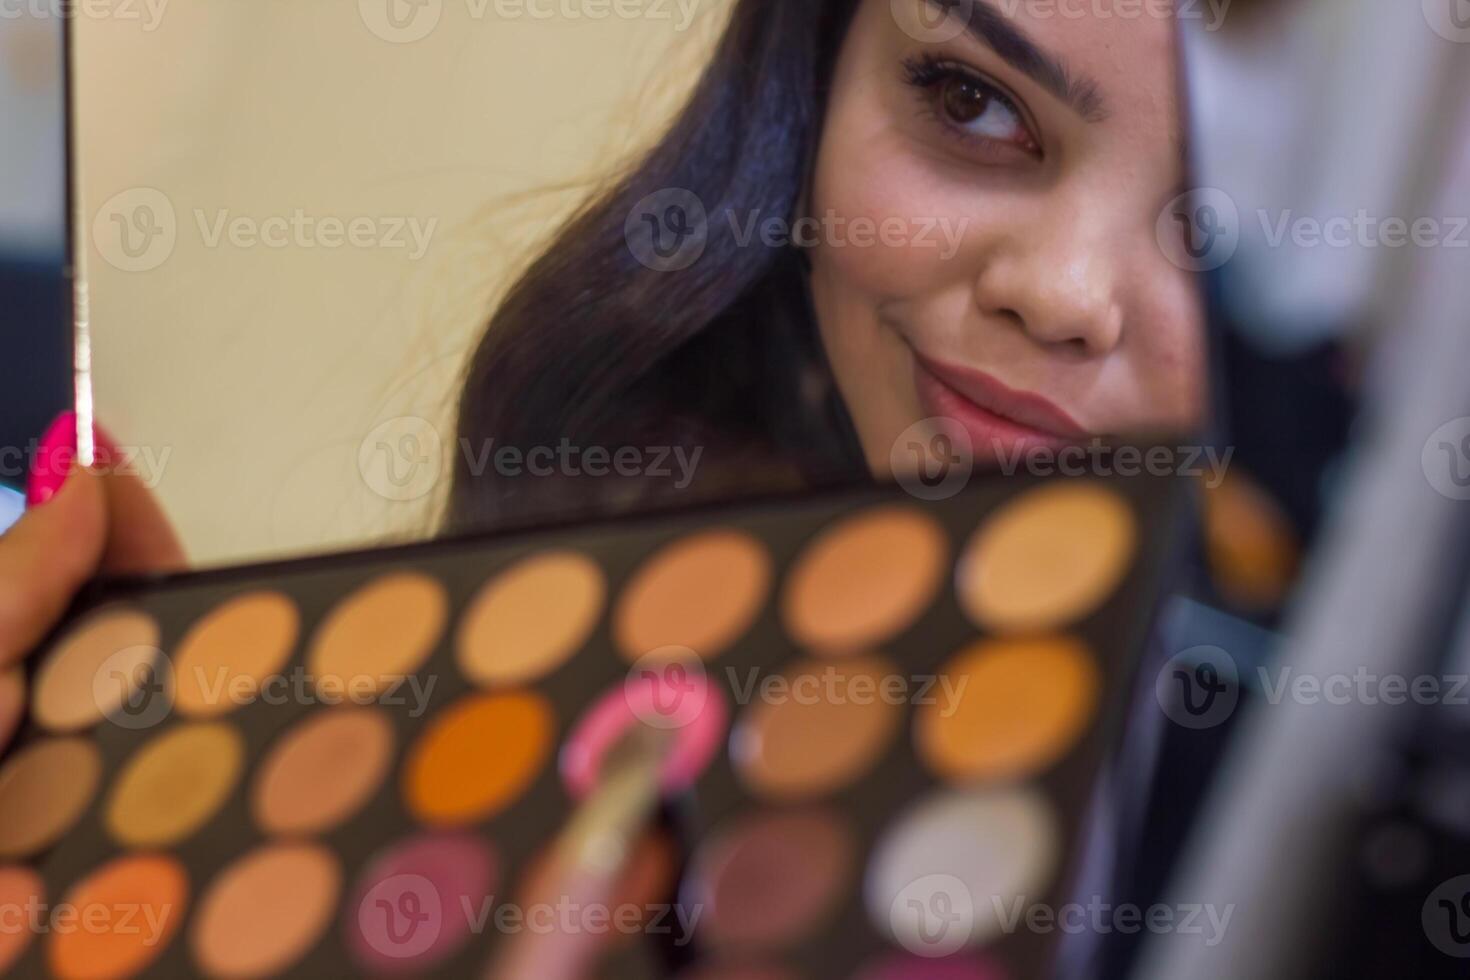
(884, 718)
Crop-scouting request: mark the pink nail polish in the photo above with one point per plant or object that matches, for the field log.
(52, 460)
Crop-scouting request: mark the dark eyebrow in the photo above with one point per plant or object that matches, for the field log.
(991, 28)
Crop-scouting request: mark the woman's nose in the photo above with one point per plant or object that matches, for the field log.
(1060, 288)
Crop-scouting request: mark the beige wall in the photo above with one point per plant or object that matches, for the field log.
(250, 377)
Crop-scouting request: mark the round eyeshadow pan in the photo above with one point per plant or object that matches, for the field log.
(23, 891)
(770, 878)
(701, 592)
(1047, 558)
(44, 789)
(154, 888)
(530, 618)
(978, 851)
(378, 635)
(90, 673)
(447, 780)
(174, 784)
(323, 771)
(865, 579)
(831, 725)
(412, 905)
(234, 648)
(265, 910)
(1021, 706)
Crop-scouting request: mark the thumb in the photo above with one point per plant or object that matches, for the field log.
(46, 557)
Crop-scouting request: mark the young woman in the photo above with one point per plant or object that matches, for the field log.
(869, 213)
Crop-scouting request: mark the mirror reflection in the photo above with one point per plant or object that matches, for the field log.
(381, 272)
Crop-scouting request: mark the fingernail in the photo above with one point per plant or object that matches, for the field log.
(52, 459)
(57, 451)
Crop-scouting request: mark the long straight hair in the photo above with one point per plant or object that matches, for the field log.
(593, 348)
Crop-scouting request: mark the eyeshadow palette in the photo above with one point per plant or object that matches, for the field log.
(886, 717)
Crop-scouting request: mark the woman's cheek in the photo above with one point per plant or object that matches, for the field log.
(885, 229)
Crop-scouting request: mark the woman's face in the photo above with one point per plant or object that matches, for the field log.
(986, 200)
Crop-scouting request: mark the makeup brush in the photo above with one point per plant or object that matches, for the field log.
(589, 856)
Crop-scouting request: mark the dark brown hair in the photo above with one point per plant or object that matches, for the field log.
(593, 348)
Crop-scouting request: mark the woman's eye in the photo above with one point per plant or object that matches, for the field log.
(970, 106)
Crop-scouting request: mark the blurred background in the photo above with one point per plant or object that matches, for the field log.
(1334, 139)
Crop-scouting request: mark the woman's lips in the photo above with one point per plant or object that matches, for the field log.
(999, 420)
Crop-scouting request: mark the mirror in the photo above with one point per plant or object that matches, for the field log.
(369, 273)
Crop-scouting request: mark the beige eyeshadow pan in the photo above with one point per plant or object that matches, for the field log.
(378, 634)
(264, 911)
(91, 672)
(822, 726)
(44, 789)
(864, 579)
(530, 618)
(225, 657)
(701, 592)
(1047, 558)
(323, 770)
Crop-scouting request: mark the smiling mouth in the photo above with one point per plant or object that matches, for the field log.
(999, 420)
